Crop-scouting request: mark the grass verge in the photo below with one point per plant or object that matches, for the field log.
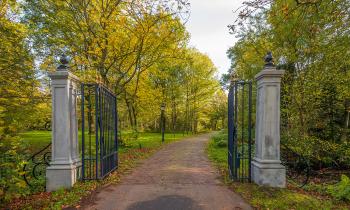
(260, 197)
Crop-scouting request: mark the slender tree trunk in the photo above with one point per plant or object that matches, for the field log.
(347, 120)
(134, 114)
(173, 115)
(195, 115)
(187, 111)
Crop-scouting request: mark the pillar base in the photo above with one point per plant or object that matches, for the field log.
(61, 176)
(268, 173)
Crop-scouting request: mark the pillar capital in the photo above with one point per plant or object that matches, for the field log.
(63, 75)
(269, 72)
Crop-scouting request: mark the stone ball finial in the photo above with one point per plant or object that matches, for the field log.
(63, 63)
(269, 60)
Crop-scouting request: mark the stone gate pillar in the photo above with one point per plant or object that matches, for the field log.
(62, 172)
(266, 165)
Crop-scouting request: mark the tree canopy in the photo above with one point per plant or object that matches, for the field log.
(310, 40)
(138, 49)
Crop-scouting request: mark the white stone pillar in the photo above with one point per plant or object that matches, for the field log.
(266, 165)
(63, 169)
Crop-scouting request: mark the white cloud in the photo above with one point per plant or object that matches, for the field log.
(208, 27)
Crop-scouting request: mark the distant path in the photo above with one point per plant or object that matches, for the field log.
(179, 176)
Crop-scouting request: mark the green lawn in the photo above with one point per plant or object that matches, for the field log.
(265, 197)
(150, 140)
(36, 140)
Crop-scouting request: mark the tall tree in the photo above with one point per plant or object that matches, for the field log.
(310, 41)
(19, 91)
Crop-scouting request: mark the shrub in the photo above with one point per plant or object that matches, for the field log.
(341, 190)
(127, 138)
(321, 153)
(220, 139)
(11, 163)
(222, 143)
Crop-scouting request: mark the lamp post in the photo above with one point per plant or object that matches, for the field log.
(162, 118)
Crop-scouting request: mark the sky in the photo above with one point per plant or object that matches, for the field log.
(208, 27)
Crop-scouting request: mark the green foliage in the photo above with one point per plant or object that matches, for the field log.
(137, 49)
(341, 190)
(219, 156)
(19, 99)
(11, 164)
(127, 138)
(309, 41)
(216, 112)
(220, 139)
(270, 198)
(222, 143)
(19, 88)
(12, 160)
(185, 87)
(146, 61)
(319, 151)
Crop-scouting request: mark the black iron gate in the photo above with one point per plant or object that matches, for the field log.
(240, 130)
(99, 131)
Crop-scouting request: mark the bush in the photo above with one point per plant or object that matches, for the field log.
(341, 190)
(321, 153)
(222, 143)
(11, 163)
(127, 138)
(220, 139)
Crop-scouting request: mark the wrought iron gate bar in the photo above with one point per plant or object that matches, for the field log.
(240, 155)
(102, 156)
(239, 130)
(82, 131)
(250, 106)
(231, 131)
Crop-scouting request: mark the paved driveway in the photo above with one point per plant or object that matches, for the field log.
(178, 177)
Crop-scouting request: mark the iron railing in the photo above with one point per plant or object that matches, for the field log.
(297, 166)
(35, 167)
